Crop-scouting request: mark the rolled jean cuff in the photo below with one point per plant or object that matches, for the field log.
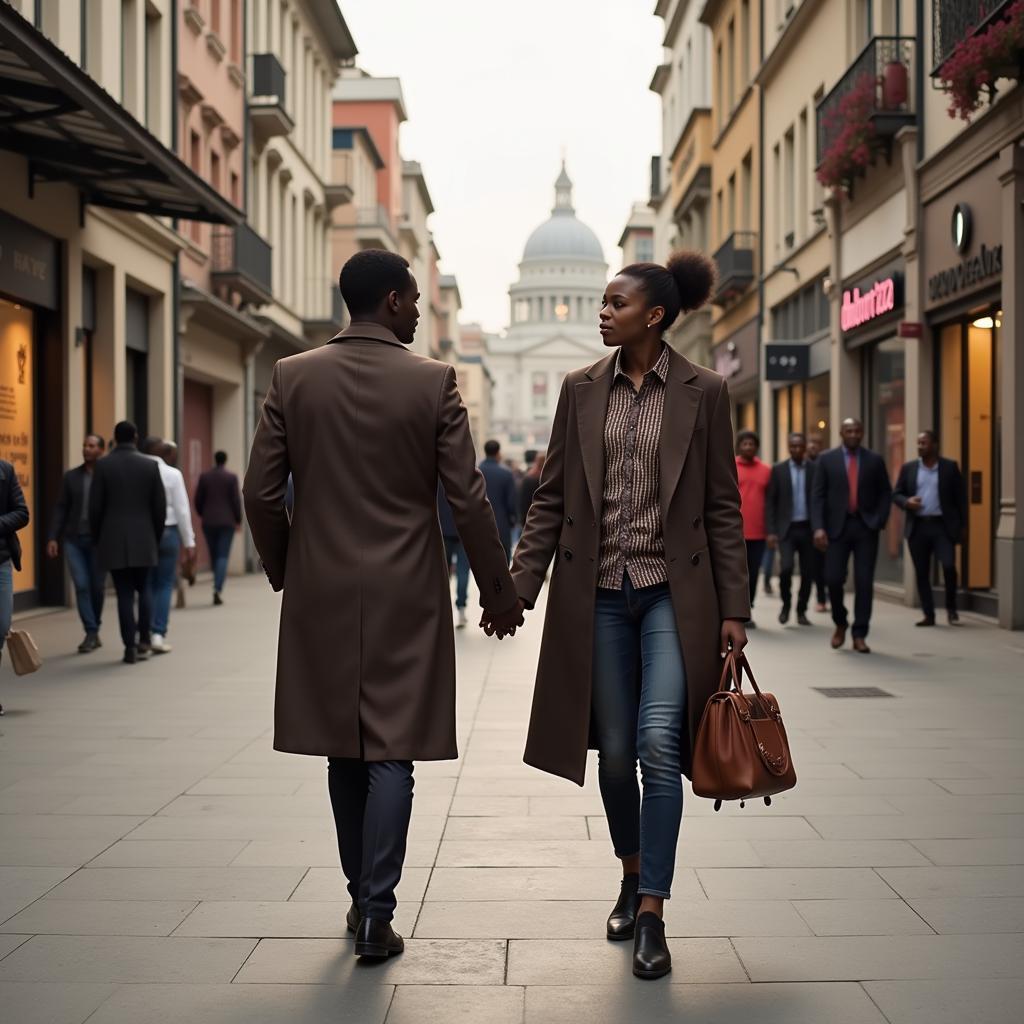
(645, 891)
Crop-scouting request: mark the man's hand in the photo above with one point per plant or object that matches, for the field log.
(734, 636)
(52, 549)
(773, 541)
(189, 557)
(915, 503)
(820, 541)
(504, 624)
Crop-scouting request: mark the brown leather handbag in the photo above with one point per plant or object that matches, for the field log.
(741, 751)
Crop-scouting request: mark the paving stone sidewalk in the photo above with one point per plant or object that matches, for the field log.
(160, 863)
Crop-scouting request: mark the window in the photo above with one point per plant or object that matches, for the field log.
(235, 32)
(129, 57)
(731, 208)
(215, 16)
(215, 170)
(745, 42)
(802, 168)
(788, 190)
(152, 76)
(730, 66)
(235, 193)
(746, 192)
(195, 152)
(774, 211)
(719, 89)
(539, 391)
(644, 250)
(521, 310)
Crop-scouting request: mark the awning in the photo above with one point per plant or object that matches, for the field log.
(71, 130)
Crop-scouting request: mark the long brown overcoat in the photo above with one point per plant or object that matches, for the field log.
(366, 652)
(704, 550)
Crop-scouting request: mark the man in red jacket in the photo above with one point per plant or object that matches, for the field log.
(754, 477)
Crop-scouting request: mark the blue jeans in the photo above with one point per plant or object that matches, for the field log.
(89, 580)
(453, 546)
(6, 600)
(638, 705)
(161, 578)
(218, 541)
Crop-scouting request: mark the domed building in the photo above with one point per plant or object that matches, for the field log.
(553, 327)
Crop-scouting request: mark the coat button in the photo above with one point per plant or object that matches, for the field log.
(696, 522)
(569, 520)
(695, 559)
(568, 556)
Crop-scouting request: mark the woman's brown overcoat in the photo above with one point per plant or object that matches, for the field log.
(704, 550)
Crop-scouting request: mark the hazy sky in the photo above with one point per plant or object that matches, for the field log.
(494, 91)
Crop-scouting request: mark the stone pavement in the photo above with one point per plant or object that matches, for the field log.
(160, 863)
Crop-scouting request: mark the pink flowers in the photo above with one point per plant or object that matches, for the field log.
(849, 134)
(976, 62)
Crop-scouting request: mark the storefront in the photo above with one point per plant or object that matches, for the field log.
(964, 314)
(737, 360)
(871, 310)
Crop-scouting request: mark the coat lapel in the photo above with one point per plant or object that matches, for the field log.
(591, 409)
(682, 403)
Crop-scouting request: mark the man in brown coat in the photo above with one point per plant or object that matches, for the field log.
(366, 655)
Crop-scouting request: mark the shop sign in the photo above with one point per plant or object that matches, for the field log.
(859, 309)
(969, 272)
(910, 329)
(786, 361)
(727, 360)
(28, 263)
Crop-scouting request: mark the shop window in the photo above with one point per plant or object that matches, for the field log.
(887, 430)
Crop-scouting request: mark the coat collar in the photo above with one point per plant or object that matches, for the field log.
(679, 420)
(367, 331)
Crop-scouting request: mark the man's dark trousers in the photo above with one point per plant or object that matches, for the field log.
(927, 537)
(862, 543)
(797, 542)
(128, 583)
(755, 556)
(372, 804)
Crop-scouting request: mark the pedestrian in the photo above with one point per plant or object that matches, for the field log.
(14, 516)
(366, 656)
(814, 447)
(219, 505)
(127, 508)
(453, 549)
(639, 508)
(768, 570)
(184, 570)
(70, 525)
(501, 493)
(753, 476)
(177, 535)
(529, 484)
(850, 500)
(788, 522)
(931, 492)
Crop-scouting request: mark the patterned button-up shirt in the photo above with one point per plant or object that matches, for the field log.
(631, 538)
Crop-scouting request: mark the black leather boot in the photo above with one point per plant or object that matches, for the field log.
(352, 918)
(622, 919)
(377, 940)
(651, 958)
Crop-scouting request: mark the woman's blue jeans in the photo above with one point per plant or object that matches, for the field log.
(638, 705)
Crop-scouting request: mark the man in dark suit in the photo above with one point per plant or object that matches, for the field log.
(366, 653)
(814, 449)
(70, 524)
(788, 522)
(127, 508)
(501, 493)
(219, 504)
(932, 493)
(850, 500)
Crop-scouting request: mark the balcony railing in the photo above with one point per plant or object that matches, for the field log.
(268, 77)
(241, 261)
(878, 87)
(735, 258)
(372, 216)
(954, 20)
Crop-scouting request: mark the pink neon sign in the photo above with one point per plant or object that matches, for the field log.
(860, 309)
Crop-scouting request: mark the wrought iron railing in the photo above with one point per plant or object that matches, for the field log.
(240, 251)
(878, 86)
(954, 20)
(735, 259)
(268, 76)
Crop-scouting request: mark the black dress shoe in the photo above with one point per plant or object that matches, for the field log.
(89, 644)
(928, 620)
(377, 940)
(802, 620)
(131, 655)
(622, 919)
(954, 619)
(352, 918)
(651, 958)
(784, 614)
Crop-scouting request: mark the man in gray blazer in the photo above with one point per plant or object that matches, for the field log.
(127, 507)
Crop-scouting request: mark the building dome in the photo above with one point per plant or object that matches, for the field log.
(563, 237)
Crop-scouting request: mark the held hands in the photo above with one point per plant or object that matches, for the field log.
(734, 637)
(820, 542)
(504, 624)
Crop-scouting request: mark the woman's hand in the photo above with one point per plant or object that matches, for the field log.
(734, 636)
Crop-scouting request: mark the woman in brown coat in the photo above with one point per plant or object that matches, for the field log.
(639, 508)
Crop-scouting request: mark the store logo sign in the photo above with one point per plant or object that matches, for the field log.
(988, 263)
(961, 227)
(860, 309)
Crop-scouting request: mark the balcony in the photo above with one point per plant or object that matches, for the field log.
(327, 316)
(956, 20)
(735, 259)
(374, 229)
(267, 102)
(241, 262)
(863, 112)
